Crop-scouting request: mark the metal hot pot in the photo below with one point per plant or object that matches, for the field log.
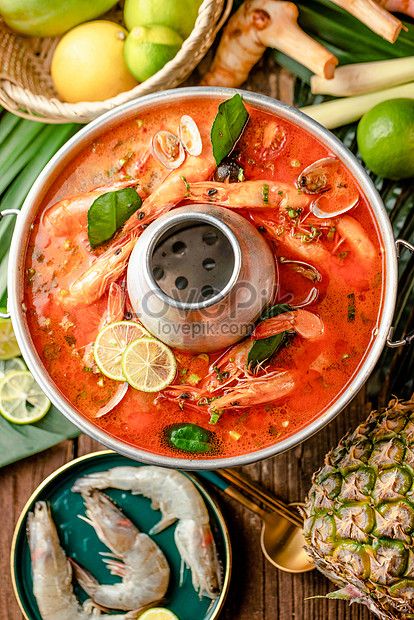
(109, 121)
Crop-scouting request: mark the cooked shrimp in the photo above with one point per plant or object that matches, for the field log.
(358, 240)
(259, 24)
(68, 217)
(248, 195)
(304, 323)
(107, 268)
(253, 390)
(111, 264)
(135, 557)
(178, 499)
(52, 573)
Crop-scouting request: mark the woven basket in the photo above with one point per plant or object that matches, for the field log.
(26, 87)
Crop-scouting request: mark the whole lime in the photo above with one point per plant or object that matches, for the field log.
(148, 48)
(180, 15)
(386, 139)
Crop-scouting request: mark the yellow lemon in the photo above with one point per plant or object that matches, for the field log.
(88, 63)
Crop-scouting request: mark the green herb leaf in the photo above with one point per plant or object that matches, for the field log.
(228, 125)
(109, 212)
(263, 349)
(351, 307)
(189, 438)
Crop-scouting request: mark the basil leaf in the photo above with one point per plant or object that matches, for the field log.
(228, 125)
(109, 212)
(263, 349)
(189, 438)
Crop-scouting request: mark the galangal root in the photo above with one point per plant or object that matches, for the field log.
(259, 24)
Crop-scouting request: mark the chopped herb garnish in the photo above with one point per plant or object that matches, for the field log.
(331, 233)
(228, 126)
(265, 193)
(351, 307)
(186, 183)
(221, 376)
(193, 379)
(293, 213)
(240, 175)
(214, 417)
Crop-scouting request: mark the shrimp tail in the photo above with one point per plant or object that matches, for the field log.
(84, 578)
(162, 525)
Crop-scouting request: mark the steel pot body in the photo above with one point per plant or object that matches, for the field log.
(108, 122)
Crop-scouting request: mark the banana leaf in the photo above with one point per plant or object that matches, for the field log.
(394, 373)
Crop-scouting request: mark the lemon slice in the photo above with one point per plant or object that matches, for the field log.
(158, 613)
(111, 343)
(21, 399)
(148, 365)
(8, 343)
(15, 363)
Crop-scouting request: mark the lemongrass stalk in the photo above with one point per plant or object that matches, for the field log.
(371, 14)
(340, 112)
(365, 77)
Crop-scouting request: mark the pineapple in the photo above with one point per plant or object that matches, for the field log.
(359, 514)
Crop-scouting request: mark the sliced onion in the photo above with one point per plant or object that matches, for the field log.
(167, 148)
(115, 400)
(190, 135)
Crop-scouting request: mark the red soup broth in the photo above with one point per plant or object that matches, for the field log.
(349, 301)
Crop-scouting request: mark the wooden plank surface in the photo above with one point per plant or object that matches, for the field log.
(258, 590)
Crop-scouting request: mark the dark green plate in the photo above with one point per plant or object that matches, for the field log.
(80, 541)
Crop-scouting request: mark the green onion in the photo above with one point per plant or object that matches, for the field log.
(340, 112)
(7, 123)
(17, 141)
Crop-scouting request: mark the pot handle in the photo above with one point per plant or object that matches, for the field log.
(4, 213)
(400, 244)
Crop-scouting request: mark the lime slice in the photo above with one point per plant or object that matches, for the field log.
(15, 363)
(110, 344)
(21, 399)
(148, 365)
(8, 343)
(158, 613)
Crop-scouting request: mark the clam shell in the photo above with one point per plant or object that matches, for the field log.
(190, 135)
(167, 148)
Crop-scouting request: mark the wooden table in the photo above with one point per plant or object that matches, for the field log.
(258, 591)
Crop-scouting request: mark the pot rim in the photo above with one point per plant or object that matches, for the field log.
(104, 123)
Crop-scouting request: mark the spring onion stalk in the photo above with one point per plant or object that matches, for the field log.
(18, 190)
(17, 142)
(365, 77)
(29, 153)
(374, 16)
(3, 279)
(340, 112)
(8, 122)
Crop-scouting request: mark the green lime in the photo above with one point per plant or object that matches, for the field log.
(386, 139)
(180, 15)
(15, 363)
(148, 48)
(21, 399)
(110, 345)
(148, 365)
(8, 343)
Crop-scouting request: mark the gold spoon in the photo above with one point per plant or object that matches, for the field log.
(282, 538)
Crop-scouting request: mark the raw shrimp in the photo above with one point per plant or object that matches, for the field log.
(248, 195)
(178, 499)
(68, 217)
(52, 573)
(135, 557)
(259, 24)
(110, 265)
